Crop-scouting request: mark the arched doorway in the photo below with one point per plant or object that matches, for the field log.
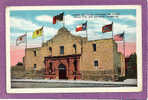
(62, 71)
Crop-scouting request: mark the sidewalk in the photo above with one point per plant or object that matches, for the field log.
(126, 82)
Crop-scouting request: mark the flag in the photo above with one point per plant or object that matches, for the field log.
(119, 37)
(21, 39)
(81, 27)
(37, 33)
(54, 19)
(107, 28)
(58, 18)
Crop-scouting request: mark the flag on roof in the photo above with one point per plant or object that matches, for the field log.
(119, 37)
(81, 27)
(21, 39)
(107, 28)
(37, 33)
(58, 18)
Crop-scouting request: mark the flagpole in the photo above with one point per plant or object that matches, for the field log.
(82, 49)
(25, 50)
(113, 50)
(26, 40)
(124, 51)
(86, 31)
(124, 43)
(86, 34)
(112, 31)
(42, 37)
(63, 21)
(26, 44)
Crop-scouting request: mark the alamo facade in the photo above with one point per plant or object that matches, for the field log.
(71, 57)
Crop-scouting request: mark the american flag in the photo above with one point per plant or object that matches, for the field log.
(119, 37)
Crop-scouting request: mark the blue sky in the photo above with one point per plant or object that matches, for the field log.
(22, 21)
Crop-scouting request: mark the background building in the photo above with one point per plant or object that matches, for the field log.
(66, 56)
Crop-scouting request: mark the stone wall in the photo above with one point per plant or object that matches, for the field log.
(97, 75)
(64, 38)
(103, 53)
(107, 56)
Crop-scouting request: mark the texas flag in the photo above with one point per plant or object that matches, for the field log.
(81, 27)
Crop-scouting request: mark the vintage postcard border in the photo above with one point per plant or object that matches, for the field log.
(78, 90)
(4, 94)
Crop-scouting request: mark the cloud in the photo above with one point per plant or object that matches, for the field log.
(70, 20)
(127, 17)
(95, 25)
(95, 30)
(14, 35)
(130, 32)
(22, 24)
(119, 28)
(49, 32)
(44, 18)
(101, 21)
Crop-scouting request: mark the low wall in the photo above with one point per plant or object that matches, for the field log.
(98, 75)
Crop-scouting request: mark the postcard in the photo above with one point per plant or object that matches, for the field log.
(74, 49)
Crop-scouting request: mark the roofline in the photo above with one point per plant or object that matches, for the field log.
(99, 39)
(62, 56)
(33, 48)
(70, 34)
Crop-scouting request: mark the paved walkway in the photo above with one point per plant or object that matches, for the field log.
(126, 82)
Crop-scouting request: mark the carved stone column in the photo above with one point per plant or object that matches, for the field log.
(46, 67)
(71, 68)
(78, 66)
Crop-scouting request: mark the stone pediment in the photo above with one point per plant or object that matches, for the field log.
(63, 30)
(64, 35)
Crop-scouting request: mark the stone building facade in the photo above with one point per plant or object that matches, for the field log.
(67, 56)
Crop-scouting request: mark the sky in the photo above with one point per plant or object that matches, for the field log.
(27, 21)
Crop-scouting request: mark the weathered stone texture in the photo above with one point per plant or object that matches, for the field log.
(106, 54)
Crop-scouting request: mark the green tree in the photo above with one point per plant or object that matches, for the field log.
(132, 66)
(19, 64)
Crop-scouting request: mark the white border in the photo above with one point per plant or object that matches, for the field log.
(77, 90)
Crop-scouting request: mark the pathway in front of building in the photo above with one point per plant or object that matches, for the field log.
(29, 83)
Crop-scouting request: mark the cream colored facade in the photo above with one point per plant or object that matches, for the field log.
(109, 60)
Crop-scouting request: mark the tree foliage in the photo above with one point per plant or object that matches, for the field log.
(132, 66)
(19, 64)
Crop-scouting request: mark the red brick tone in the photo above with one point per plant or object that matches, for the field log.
(71, 64)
